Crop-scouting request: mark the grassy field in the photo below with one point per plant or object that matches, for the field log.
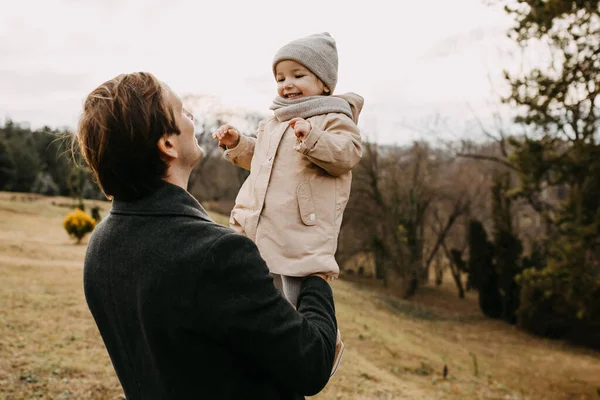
(395, 349)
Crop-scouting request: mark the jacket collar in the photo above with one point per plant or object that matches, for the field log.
(168, 199)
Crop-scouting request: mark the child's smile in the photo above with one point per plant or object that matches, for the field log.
(295, 81)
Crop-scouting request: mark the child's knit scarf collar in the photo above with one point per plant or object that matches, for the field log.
(306, 107)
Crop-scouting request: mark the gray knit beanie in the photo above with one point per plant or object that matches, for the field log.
(316, 52)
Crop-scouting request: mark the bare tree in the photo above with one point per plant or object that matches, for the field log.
(214, 180)
(392, 193)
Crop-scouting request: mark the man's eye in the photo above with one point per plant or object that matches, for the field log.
(188, 114)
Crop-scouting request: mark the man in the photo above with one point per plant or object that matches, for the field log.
(186, 308)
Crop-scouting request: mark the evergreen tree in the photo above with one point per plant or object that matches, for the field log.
(7, 167)
(483, 271)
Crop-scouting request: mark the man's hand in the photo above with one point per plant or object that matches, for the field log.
(301, 127)
(320, 275)
(227, 136)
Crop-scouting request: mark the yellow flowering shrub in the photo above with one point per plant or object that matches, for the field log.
(78, 223)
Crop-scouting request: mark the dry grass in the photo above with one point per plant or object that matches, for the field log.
(49, 345)
(397, 350)
(50, 348)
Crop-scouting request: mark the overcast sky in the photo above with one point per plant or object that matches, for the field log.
(411, 60)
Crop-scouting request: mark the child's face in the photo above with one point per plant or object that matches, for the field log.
(294, 81)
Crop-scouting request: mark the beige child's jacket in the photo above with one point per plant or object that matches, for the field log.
(292, 203)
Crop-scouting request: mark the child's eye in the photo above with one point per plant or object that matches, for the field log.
(280, 80)
(300, 76)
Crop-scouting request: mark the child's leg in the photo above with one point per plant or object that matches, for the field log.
(278, 282)
(291, 288)
(339, 350)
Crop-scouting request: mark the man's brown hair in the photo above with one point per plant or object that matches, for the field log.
(122, 121)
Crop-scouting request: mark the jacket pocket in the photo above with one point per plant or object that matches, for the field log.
(306, 204)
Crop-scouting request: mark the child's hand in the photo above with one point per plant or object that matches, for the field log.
(227, 136)
(301, 127)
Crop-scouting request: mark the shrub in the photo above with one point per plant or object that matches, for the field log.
(96, 214)
(562, 300)
(78, 223)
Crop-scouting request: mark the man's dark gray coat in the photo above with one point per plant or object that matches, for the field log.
(187, 309)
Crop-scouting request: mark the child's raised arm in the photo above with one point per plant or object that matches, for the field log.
(237, 148)
(337, 148)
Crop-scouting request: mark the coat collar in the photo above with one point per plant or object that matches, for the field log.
(168, 199)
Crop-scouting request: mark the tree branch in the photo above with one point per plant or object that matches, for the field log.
(489, 158)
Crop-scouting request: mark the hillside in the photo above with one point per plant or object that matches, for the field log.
(395, 349)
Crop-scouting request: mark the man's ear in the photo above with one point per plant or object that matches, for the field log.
(166, 146)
